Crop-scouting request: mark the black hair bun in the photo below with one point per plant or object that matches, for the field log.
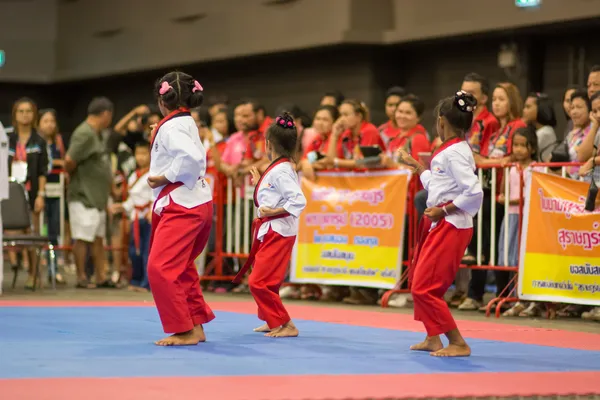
(465, 102)
(170, 99)
(285, 120)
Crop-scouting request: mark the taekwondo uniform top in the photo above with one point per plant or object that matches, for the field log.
(452, 179)
(279, 187)
(140, 197)
(178, 154)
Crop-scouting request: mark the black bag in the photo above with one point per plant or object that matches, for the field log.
(560, 154)
(590, 200)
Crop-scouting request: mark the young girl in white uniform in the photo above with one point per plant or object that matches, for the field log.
(183, 211)
(280, 201)
(454, 197)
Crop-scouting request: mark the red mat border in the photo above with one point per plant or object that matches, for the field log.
(470, 329)
(330, 387)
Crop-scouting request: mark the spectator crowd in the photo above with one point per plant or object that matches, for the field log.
(103, 169)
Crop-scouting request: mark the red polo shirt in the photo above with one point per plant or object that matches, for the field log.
(415, 141)
(256, 141)
(484, 126)
(368, 136)
(320, 144)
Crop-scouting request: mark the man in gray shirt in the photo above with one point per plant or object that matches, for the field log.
(88, 164)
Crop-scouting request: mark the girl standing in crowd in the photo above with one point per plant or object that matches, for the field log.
(507, 107)
(138, 206)
(280, 201)
(28, 164)
(525, 151)
(183, 212)
(48, 129)
(454, 198)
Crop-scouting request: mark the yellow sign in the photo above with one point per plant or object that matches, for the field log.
(560, 242)
(352, 229)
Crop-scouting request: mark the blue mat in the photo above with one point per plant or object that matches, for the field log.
(118, 342)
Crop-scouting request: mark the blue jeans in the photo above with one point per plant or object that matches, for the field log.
(139, 262)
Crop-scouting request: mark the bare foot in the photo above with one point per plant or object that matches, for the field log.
(131, 288)
(453, 350)
(262, 328)
(431, 343)
(189, 338)
(141, 290)
(287, 330)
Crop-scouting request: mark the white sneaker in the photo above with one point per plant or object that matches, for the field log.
(592, 315)
(398, 300)
(288, 292)
(469, 305)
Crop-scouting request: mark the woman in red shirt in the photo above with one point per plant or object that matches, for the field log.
(316, 150)
(412, 136)
(350, 131)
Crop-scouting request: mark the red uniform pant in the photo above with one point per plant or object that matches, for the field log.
(268, 272)
(435, 265)
(179, 235)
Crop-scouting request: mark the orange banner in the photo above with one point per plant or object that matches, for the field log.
(352, 229)
(560, 242)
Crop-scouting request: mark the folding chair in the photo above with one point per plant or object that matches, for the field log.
(16, 216)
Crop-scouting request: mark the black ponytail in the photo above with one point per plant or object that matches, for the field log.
(177, 89)
(458, 111)
(283, 136)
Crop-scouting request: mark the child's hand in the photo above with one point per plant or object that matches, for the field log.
(501, 198)
(153, 130)
(255, 175)
(157, 181)
(149, 216)
(434, 213)
(265, 211)
(506, 160)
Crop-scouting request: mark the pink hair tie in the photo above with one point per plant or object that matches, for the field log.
(197, 86)
(164, 88)
(289, 123)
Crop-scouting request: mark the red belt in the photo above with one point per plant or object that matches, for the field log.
(136, 226)
(255, 244)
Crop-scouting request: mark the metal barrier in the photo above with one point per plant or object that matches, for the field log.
(508, 293)
(235, 212)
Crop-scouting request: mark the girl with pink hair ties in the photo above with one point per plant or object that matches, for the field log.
(182, 213)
